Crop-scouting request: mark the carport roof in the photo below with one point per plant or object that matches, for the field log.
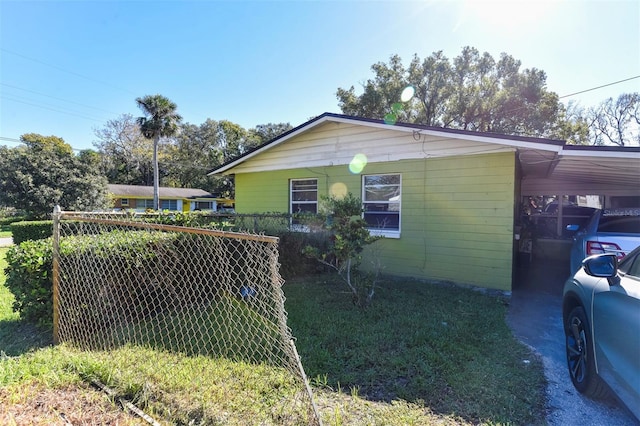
(610, 165)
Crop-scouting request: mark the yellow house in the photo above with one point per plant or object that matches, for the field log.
(140, 198)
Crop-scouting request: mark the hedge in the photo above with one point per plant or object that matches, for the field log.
(31, 230)
(119, 281)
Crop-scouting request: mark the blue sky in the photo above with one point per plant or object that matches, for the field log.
(66, 67)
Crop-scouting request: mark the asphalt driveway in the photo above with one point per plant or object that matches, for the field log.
(535, 316)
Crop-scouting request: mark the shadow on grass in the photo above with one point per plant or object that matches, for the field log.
(18, 337)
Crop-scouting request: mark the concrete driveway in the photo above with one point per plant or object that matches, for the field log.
(535, 316)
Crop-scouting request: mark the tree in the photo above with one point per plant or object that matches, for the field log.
(471, 92)
(263, 133)
(193, 152)
(160, 120)
(572, 124)
(616, 121)
(348, 237)
(45, 172)
(127, 156)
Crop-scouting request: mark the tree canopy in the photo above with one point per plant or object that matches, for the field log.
(44, 172)
(473, 91)
(184, 159)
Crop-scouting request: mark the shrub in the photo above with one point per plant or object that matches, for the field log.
(29, 278)
(30, 267)
(343, 252)
(31, 230)
(293, 261)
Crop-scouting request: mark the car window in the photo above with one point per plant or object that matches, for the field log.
(622, 224)
(631, 265)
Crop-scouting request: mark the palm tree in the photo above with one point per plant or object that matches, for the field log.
(160, 120)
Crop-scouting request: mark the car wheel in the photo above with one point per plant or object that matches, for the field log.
(580, 359)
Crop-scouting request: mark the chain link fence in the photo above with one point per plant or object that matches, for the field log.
(188, 322)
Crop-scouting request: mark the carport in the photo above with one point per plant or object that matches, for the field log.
(576, 175)
(566, 180)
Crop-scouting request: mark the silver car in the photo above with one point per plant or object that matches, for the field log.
(614, 231)
(601, 313)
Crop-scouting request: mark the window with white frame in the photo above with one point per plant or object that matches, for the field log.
(304, 196)
(381, 203)
(303, 199)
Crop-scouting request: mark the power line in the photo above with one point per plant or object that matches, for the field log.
(600, 87)
(51, 109)
(66, 70)
(54, 97)
(78, 75)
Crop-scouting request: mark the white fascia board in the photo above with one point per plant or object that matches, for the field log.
(496, 141)
(405, 129)
(601, 154)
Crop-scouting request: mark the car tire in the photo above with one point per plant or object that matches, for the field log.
(580, 356)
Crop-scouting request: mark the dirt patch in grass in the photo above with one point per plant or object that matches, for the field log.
(35, 404)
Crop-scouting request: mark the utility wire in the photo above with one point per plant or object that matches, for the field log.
(54, 97)
(78, 75)
(599, 87)
(65, 70)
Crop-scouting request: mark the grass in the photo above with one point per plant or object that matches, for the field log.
(420, 355)
(438, 346)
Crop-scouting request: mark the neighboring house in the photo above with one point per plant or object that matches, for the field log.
(447, 201)
(140, 198)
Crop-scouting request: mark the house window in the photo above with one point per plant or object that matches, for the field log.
(204, 205)
(124, 202)
(304, 199)
(168, 204)
(381, 204)
(304, 196)
(145, 204)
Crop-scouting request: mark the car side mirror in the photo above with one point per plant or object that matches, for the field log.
(601, 265)
(573, 227)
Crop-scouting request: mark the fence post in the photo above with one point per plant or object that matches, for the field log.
(56, 274)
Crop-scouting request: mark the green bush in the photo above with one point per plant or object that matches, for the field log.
(31, 230)
(30, 266)
(29, 278)
(293, 261)
(120, 274)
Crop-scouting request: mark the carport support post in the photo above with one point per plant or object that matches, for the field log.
(56, 274)
(560, 214)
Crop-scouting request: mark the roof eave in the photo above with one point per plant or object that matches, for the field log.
(514, 141)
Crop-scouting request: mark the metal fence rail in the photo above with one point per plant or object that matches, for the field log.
(137, 294)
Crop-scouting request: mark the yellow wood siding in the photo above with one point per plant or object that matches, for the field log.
(456, 214)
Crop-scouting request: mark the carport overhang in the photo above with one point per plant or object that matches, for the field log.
(569, 170)
(578, 169)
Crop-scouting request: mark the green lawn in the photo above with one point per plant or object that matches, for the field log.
(420, 355)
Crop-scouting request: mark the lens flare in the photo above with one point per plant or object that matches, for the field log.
(407, 93)
(390, 118)
(338, 190)
(358, 163)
